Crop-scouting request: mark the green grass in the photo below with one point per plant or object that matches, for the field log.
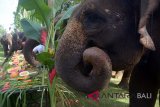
(118, 102)
(106, 99)
(114, 98)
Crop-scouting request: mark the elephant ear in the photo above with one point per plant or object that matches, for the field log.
(146, 39)
(31, 29)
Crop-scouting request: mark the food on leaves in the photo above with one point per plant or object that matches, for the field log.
(24, 73)
(14, 74)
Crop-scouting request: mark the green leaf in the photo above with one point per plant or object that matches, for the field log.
(24, 98)
(67, 15)
(46, 59)
(31, 29)
(52, 91)
(4, 101)
(57, 6)
(8, 99)
(41, 9)
(42, 96)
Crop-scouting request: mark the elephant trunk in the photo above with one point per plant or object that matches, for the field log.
(72, 57)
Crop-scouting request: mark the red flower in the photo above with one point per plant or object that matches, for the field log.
(43, 36)
(52, 75)
(94, 96)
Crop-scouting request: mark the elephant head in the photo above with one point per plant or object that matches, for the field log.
(100, 35)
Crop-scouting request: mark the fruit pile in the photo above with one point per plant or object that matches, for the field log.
(17, 74)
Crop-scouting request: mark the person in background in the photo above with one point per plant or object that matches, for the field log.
(39, 49)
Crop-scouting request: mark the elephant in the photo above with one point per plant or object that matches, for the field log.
(108, 31)
(124, 83)
(6, 41)
(30, 44)
(124, 75)
(146, 13)
(27, 52)
(149, 6)
(12, 43)
(18, 41)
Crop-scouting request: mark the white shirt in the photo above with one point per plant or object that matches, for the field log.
(39, 49)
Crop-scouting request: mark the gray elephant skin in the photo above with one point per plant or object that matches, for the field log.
(6, 41)
(101, 36)
(12, 42)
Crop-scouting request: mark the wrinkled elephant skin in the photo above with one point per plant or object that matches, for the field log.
(102, 35)
(97, 24)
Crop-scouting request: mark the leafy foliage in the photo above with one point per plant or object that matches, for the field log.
(41, 11)
(65, 16)
(17, 17)
(45, 14)
(31, 29)
(56, 6)
(2, 30)
(46, 59)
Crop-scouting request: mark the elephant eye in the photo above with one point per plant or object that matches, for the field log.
(93, 20)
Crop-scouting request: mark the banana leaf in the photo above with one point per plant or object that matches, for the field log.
(31, 29)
